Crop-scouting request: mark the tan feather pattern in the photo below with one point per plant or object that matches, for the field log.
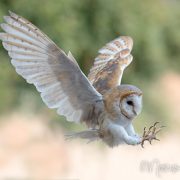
(55, 75)
(109, 65)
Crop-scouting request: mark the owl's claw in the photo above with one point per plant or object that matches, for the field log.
(151, 134)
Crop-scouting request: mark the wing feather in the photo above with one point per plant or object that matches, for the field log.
(55, 75)
(109, 65)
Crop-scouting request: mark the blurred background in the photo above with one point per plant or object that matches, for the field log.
(32, 144)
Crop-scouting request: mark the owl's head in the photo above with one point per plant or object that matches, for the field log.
(124, 100)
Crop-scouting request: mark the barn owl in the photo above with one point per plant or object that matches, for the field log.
(107, 107)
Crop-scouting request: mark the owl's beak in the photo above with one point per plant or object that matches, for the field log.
(134, 111)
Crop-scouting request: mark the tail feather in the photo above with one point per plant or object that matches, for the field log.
(90, 135)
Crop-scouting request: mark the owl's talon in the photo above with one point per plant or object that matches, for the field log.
(156, 123)
(144, 131)
(150, 129)
(151, 134)
(158, 130)
(142, 144)
(154, 129)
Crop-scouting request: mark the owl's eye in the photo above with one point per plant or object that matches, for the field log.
(130, 103)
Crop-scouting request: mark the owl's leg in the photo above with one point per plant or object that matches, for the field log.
(131, 132)
(120, 135)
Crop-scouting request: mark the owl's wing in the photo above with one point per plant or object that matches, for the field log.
(56, 75)
(109, 65)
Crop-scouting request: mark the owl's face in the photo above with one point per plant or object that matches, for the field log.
(123, 102)
(131, 105)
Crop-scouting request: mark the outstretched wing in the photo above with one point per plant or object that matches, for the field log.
(109, 65)
(56, 75)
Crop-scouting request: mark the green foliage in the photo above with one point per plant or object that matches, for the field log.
(85, 26)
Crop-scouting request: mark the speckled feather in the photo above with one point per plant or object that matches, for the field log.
(109, 65)
(55, 75)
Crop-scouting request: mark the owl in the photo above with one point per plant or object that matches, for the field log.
(106, 106)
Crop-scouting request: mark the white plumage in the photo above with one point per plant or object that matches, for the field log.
(33, 59)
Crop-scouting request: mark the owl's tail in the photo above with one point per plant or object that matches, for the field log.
(90, 135)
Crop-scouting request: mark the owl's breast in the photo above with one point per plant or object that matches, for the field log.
(106, 132)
